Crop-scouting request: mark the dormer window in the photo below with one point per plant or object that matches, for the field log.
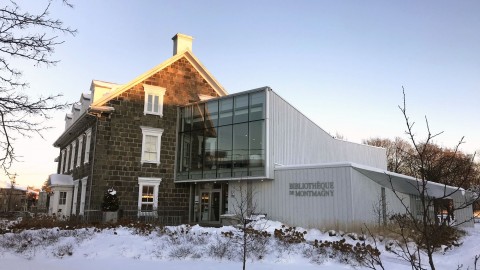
(153, 99)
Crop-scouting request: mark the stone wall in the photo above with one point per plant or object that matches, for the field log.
(119, 140)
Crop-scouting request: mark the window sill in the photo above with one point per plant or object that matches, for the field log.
(150, 162)
(152, 113)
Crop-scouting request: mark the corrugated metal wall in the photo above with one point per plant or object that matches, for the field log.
(295, 139)
(278, 200)
(366, 194)
(349, 206)
(464, 213)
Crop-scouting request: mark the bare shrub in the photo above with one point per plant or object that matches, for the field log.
(181, 252)
(63, 250)
(222, 248)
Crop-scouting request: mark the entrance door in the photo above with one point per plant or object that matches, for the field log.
(210, 206)
(215, 206)
(205, 206)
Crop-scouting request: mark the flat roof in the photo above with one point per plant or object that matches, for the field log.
(395, 181)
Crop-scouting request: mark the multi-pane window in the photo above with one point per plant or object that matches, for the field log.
(150, 148)
(147, 198)
(223, 138)
(62, 200)
(153, 99)
(151, 145)
(148, 194)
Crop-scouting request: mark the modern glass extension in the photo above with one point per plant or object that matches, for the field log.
(223, 138)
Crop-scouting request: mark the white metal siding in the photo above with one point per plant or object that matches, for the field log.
(335, 211)
(295, 139)
(366, 193)
(464, 213)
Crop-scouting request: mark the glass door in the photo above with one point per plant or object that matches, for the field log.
(205, 206)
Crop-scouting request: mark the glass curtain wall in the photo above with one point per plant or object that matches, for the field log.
(223, 138)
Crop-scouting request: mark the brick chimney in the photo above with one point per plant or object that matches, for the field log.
(181, 43)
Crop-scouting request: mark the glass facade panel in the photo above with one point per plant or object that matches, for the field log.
(226, 111)
(223, 138)
(186, 115)
(211, 114)
(240, 150)
(257, 106)
(256, 146)
(224, 154)
(241, 109)
(184, 157)
(210, 161)
(197, 152)
(198, 113)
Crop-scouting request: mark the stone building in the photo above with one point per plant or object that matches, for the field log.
(176, 147)
(123, 136)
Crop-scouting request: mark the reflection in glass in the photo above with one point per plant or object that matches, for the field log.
(224, 154)
(257, 106)
(223, 138)
(210, 162)
(256, 140)
(184, 157)
(240, 150)
(198, 112)
(241, 109)
(186, 118)
(196, 155)
(226, 111)
(211, 114)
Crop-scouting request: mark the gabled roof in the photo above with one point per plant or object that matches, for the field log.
(188, 55)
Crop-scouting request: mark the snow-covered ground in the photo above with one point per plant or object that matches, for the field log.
(121, 248)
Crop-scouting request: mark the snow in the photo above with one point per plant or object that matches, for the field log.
(61, 180)
(121, 248)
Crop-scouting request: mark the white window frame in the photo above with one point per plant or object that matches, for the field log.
(72, 159)
(88, 139)
(67, 159)
(79, 153)
(62, 201)
(62, 161)
(148, 181)
(149, 131)
(154, 91)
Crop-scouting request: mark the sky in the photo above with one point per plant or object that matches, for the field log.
(342, 63)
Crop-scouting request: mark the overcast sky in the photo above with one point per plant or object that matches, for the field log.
(342, 63)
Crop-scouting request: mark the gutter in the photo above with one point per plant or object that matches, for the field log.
(92, 111)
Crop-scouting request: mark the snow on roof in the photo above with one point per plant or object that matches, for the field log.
(60, 180)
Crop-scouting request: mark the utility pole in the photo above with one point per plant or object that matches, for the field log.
(13, 181)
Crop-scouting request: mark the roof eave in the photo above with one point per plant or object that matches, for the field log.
(188, 55)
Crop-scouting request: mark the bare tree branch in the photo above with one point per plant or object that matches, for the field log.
(31, 37)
